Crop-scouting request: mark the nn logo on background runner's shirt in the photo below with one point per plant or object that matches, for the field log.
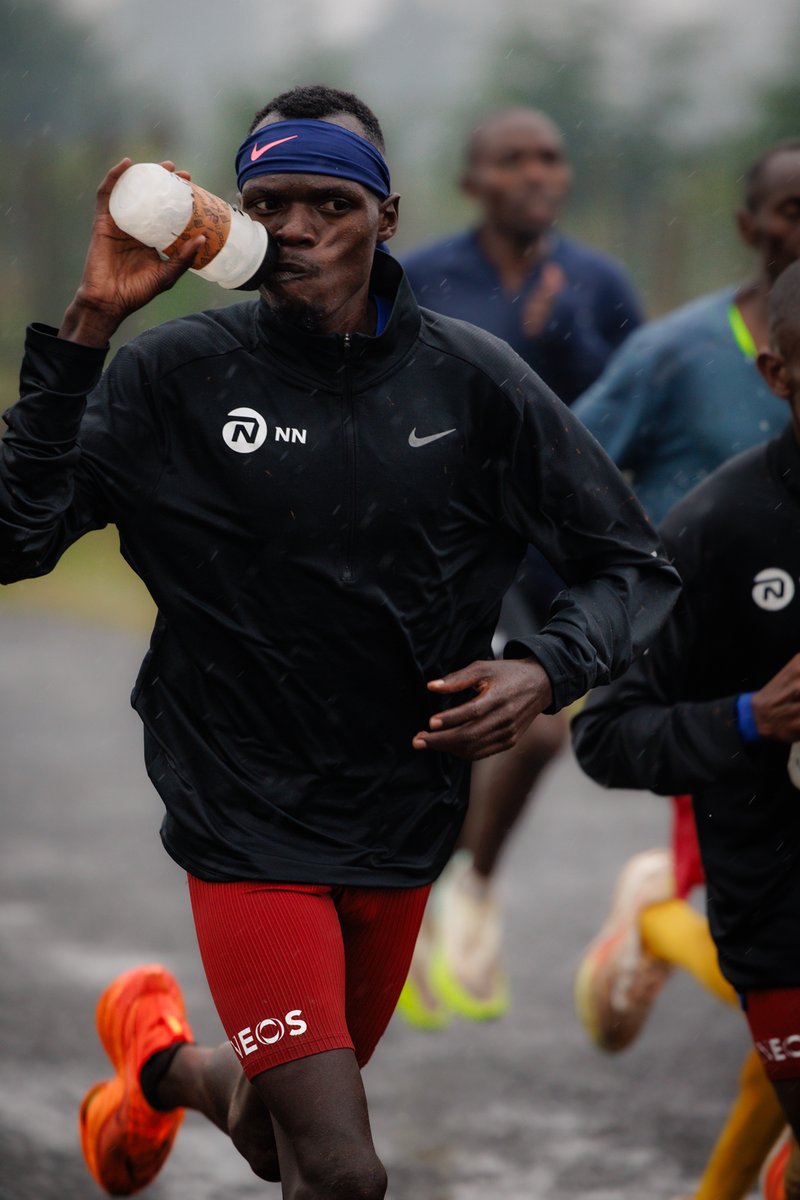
(773, 589)
(267, 1032)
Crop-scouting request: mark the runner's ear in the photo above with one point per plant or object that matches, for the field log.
(744, 223)
(775, 374)
(389, 218)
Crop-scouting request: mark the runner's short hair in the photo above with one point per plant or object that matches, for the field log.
(753, 177)
(315, 102)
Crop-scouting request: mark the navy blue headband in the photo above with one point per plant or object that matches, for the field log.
(306, 147)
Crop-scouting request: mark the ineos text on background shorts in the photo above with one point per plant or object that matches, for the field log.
(774, 1019)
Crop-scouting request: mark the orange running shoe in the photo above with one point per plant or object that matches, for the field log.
(125, 1141)
(773, 1173)
(617, 981)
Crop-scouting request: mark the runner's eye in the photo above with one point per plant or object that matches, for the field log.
(336, 204)
(263, 206)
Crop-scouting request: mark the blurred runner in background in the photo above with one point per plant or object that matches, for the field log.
(564, 308)
(680, 398)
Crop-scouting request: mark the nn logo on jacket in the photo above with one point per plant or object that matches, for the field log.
(247, 430)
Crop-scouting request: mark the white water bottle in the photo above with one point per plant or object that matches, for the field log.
(162, 210)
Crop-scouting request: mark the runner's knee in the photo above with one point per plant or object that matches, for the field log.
(257, 1148)
(342, 1176)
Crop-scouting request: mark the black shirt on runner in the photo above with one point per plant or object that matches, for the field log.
(325, 523)
(670, 723)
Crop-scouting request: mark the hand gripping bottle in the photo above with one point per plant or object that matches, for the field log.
(161, 210)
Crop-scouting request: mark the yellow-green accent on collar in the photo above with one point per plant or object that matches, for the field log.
(741, 334)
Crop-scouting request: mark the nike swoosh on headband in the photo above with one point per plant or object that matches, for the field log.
(308, 147)
(257, 151)
(415, 441)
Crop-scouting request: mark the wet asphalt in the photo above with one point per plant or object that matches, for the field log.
(520, 1109)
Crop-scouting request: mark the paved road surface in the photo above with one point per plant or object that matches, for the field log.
(522, 1109)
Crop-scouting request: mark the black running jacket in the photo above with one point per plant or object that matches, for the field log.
(324, 523)
(670, 724)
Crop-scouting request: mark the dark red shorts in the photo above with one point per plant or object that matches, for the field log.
(689, 872)
(295, 969)
(774, 1020)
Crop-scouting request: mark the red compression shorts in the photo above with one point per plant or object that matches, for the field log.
(689, 872)
(774, 1020)
(295, 969)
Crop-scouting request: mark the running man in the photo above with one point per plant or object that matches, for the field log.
(678, 400)
(319, 675)
(564, 308)
(713, 710)
(683, 395)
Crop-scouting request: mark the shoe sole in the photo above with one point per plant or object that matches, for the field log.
(613, 1034)
(771, 1181)
(117, 1172)
(461, 1002)
(605, 1036)
(415, 1012)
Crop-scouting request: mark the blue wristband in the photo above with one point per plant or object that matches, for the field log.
(746, 719)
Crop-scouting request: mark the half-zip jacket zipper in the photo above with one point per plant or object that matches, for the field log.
(350, 464)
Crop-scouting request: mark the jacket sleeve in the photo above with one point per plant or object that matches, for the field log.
(70, 432)
(560, 492)
(641, 733)
(45, 502)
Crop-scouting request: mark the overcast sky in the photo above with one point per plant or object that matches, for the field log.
(348, 16)
(419, 56)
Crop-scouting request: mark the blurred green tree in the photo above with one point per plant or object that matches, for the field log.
(58, 115)
(776, 102)
(63, 117)
(653, 185)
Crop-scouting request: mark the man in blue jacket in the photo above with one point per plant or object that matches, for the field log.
(565, 308)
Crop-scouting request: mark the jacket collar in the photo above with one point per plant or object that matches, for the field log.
(319, 359)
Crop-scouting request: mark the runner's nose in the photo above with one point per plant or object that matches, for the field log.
(295, 227)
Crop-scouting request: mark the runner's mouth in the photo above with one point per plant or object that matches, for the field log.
(293, 270)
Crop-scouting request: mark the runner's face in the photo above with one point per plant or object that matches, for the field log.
(326, 230)
(780, 368)
(772, 227)
(519, 174)
(790, 349)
